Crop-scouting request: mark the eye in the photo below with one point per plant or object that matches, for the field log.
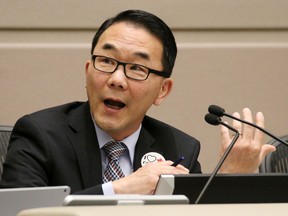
(102, 60)
(138, 68)
(105, 60)
(136, 71)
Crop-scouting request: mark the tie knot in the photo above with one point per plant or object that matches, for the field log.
(114, 149)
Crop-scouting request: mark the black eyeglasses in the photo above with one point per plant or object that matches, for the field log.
(132, 71)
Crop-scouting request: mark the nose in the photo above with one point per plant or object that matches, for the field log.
(118, 79)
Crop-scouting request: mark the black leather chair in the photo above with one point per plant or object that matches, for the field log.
(5, 132)
(276, 162)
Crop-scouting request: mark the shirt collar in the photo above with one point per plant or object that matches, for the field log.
(130, 141)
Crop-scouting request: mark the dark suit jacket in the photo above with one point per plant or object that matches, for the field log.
(58, 146)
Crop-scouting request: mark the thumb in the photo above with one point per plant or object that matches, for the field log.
(266, 149)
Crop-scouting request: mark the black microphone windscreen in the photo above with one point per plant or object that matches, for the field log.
(216, 110)
(212, 119)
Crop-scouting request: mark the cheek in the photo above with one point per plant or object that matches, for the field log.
(93, 87)
(89, 84)
(93, 82)
(145, 94)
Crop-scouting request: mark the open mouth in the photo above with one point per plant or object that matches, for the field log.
(114, 104)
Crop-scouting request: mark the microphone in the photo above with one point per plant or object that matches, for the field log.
(215, 120)
(218, 111)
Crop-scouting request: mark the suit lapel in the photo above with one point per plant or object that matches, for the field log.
(154, 137)
(84, 140)
(144, 145)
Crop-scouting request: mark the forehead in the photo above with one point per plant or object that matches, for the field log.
(123, 27)
(130, 38)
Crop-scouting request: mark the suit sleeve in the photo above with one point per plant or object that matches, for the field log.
(189, 147)
(34, 159)
(26, 161)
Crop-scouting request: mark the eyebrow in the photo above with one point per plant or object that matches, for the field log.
(142, 55)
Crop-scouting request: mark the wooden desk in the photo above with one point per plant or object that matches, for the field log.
(166, 210)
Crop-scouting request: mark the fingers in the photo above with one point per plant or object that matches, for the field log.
(236, 124)
(145, 179)
(249, 150)
(248, 131)
(183, 169)
(266, 149)
(225, 133)
(166, 168)
(260, 122)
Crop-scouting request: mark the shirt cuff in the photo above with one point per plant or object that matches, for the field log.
(108, 188)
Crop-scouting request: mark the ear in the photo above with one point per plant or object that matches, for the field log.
(165, 90)
(87, 65)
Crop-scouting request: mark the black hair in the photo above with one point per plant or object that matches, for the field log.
(151, 23)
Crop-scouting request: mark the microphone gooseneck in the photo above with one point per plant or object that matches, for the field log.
(215, 120)
(219, 112)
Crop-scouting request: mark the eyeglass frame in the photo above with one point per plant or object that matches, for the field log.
(159, 73)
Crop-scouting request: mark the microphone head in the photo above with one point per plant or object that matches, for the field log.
(212, 119)
(216, 110)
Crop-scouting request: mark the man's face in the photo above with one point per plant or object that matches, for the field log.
(118, 104)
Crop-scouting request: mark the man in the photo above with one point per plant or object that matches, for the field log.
(133, 55)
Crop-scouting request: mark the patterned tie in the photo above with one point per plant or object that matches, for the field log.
(113, 151)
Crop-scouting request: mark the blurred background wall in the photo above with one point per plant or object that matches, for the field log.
(231, 53)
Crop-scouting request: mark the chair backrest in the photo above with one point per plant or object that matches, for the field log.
(276, 162)
(5, 132)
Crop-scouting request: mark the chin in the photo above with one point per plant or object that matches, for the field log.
(107, 125)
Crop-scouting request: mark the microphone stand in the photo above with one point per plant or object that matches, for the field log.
(237, 134)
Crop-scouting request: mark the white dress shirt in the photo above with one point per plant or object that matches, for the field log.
(125, 161)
